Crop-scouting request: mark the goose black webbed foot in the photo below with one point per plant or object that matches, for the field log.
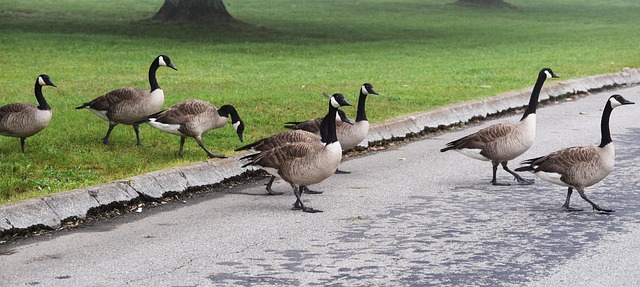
(598, 208)
(499, 183)
(309, 191)
(524, 181)
(570, 209)
(338, 171)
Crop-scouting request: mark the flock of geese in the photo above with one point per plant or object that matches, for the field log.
(310, 151)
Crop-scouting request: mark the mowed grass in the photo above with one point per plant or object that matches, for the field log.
(418, 54)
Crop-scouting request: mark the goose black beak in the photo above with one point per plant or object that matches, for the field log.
(555, 76)
(170, 65)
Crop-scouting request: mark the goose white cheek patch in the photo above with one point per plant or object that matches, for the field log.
(161, 61)
(236, 125)
(614, 103)
(334, 103)
(41, 81)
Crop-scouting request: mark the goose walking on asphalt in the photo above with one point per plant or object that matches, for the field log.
(349, 134)
(192, 118)
(503, 142)
(306, 162)
(581, 166)
(130, 106)
(22, 120)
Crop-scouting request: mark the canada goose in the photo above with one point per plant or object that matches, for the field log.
(503, 142)
(302, 163)
(22, 120)
(130, 106)
(581, 166)
(296, 135)
(349, 135)
(192, 118)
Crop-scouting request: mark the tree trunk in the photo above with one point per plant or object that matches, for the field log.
(488, 3)
(194, 11)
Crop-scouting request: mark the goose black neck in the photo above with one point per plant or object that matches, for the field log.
(361, 114)
(229, 110)
(42, 103)
(152, 75)
(604, 126)
(535, 94)
(328, 126)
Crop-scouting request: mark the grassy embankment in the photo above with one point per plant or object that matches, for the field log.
(419, 54)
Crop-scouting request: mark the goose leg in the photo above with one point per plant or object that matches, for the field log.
(595, 206)
(22, 144)
(565, 206)
(112, 125)
(298, 205)
(136, 129)
(271, 191)
(495, 170)
(209, 153)
(517, 176)
(182, 139)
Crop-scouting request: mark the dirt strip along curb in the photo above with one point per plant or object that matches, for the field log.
(52, 210)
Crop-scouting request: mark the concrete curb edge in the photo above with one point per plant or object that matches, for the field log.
(52, 210)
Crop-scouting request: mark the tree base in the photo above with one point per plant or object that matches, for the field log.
(196, 12)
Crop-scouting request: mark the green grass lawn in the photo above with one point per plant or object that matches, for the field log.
(419, 54)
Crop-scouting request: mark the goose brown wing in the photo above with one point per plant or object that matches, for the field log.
(114, 97)
(281, 139)
(312, 126)
(276, 157)
(180, 113)
(479, 139)
(562, 160)
(14, 108)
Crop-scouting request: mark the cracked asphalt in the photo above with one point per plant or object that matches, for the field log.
(406, 216)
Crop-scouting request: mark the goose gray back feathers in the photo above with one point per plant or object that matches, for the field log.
(130, 106)
(23, 120)
(581, 166)
(192, 118)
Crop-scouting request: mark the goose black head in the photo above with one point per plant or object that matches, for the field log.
(338, 100)
(617, 100)
(44, 80)
(368, 89)
(547, 73)
(343, 117)
(163, 60)
(239, 127)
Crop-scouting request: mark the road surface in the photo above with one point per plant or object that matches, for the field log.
(407, 216)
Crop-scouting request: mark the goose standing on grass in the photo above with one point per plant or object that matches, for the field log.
(302, 163)
(22, 120)
(192, 118)
(503, 142)
(582, 166)
(130, 106)
(349, 134)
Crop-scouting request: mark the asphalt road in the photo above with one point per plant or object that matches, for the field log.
(407, 216)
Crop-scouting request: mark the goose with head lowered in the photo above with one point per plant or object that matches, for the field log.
(22, 120)
(305, 162)
(581, 166)
(349, 134)
(192, 118)
(130, 106)
(503, 142)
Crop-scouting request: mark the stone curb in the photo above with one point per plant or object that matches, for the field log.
(52, 210)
